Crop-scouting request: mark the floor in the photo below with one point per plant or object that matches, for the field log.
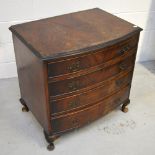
(118, 133)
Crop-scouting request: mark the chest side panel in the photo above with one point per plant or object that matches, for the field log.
(32, 82)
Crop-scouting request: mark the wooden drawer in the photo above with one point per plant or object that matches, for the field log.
(79, 118)
(75, 84)
(89, 97)
(74, 68)
(92, 59)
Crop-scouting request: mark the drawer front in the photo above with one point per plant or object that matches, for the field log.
(74, 84)
(89, 97)
(75, 120)
(86, 61)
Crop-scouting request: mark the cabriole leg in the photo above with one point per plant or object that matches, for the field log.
(50, 139)
(124, 106)
(24, 108)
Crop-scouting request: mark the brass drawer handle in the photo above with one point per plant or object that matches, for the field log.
(124, 50)
(75, 122)
(122, 66)
(74, 67)
(74, 85)
(74, 104)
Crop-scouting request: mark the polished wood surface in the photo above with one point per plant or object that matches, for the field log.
(77, 83)
(73, 33)
(74, 68)
(32, 83)
(75, 64)
(91, 96)
(74, 120)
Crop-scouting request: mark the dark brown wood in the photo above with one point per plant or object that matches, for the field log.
(79, 32)
(31, 81)
(91, 96)
(74, 68)
(63, 123)
(77, 83)
(93, 68)
(93, 59)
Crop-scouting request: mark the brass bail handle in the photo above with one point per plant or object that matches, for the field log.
(74, 67)
(124, 50)
(74, 103)
(122, 66)
(74, 85)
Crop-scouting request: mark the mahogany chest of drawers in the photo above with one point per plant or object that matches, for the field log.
(74, 68)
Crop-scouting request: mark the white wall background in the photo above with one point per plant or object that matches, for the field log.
(139, 12)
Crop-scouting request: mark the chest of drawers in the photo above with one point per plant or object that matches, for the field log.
(74, 68)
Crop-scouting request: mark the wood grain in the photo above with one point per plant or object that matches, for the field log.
(75, 84)
(74, 102)
(73, 120)
(74, 68)
(73, 33)
(87, 61)
(32, 83)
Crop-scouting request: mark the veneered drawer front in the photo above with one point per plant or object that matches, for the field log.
(89, 97)
(79, 118)
(86, 61)
(75, 84)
